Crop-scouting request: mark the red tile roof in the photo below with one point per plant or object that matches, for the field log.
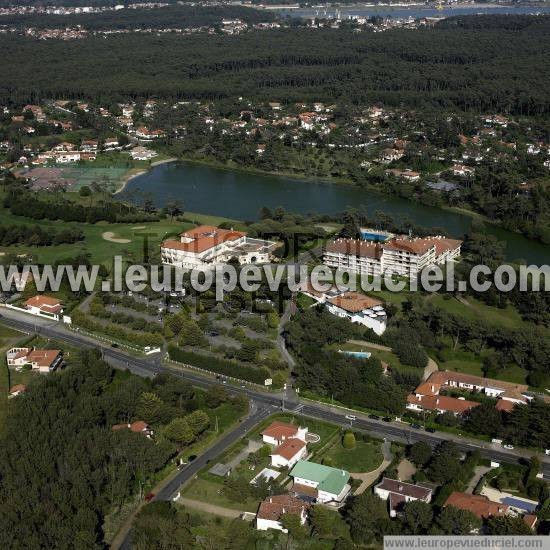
(139, 426)
(289, 448)
(505, 406)
(202, 238)
(272, 508)
(354, 247)
(354, 302)
(18, 388)
(43, 357)
(442, 403)
(280, 430)
(479, 505)
(46, 303)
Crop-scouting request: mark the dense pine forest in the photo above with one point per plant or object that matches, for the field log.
(486, 63)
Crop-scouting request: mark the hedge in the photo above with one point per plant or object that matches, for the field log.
(219, 366)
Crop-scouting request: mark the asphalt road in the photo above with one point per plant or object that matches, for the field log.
(395, 431)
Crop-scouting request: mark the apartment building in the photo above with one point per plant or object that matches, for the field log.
(400, 255)
(206, 246)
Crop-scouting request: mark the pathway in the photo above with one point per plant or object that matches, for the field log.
(367, 479)
(281, 344)
(479, 472)
(210, 508)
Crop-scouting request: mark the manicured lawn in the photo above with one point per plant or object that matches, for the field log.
(95, 244)
(208, 491)
(365, 457)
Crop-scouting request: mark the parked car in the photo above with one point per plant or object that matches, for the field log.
(115, 345)
(431, 430)
(350, 417)
(416, 426)
(387, 419)
(374, 416)
(508, 446)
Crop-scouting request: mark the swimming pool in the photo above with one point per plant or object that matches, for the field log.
(356, 354)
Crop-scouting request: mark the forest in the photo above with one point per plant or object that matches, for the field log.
(481, 67)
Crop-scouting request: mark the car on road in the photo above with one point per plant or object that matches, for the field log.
(350, 417)
(431, 430)
(416, 426)
(149, 497)
(114, 345)
(374, 416)
(386, 419)
(508, 446)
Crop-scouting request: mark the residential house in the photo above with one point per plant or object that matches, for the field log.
(16, 390)
(206, 246)
(398, 493)
(273, 508)
(44, 305)
(41, 360)
(288, 453)
(479, 505)
(462, 170)
(278, 432)
(138, 427)
(89, 145)
(319, 483)
(142, 153)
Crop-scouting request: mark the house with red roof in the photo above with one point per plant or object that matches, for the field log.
(273, 508)
(278, 432)
(16, 390)
(479, 505)
(42, 360)
(138, 427)
(44, 305)
(288, 453)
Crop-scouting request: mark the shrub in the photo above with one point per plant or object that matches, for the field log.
(348, 441)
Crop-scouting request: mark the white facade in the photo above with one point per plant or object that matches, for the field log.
(368, 317)
(280, 461)
(300, 434)
(265, 524)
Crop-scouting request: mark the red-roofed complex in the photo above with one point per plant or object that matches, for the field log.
(401, 255)
(427, 395)
(207, 246)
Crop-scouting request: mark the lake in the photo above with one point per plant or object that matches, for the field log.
(240, 195)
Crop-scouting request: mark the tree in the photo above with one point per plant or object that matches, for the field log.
(365, 516)
(293, 524)
(453, 521)
(420, 453)
(327, 524)
(192, 335)
(198, 421)
(150, 407)
(445, 463)
(508, 525)
(215, 396)
(179, 431)
(417, 517)
(348, 441)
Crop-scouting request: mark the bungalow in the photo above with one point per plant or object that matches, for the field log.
(288, 453)
(138, 427)
(278, 432)
(41, 360)
(275, 507)
(89, 145)
(44, 305)
(462, 170)
(16, 390)
(319, 482)
(398, 493)
(110, 143)
(64, 157)
(360, 309)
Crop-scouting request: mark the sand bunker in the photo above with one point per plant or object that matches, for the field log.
(112, 238)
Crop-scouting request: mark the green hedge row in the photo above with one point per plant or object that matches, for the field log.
(219, 366)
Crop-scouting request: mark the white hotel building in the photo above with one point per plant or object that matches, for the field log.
(404, 256)
(206, 246)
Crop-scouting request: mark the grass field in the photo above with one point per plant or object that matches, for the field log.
(208, 491)
(101, 251)
(365, 457)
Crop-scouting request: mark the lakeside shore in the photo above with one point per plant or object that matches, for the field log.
(135, 172)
